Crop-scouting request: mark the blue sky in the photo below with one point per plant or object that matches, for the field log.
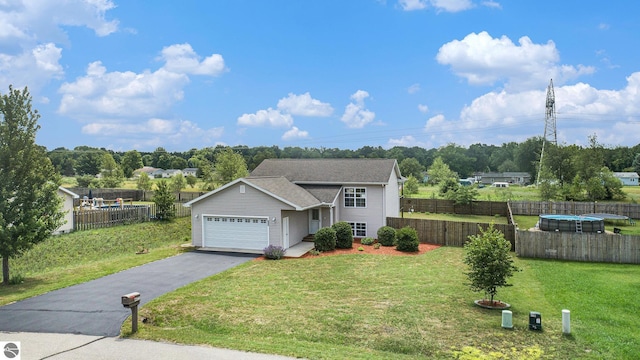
(322, 73)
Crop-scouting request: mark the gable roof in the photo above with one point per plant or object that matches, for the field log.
(631, 175)
(68, 192)
(277, 187)
(329, 171)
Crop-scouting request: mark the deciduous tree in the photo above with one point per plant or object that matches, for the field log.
(30, 208)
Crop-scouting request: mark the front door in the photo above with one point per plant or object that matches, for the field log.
(285, 232)
(314, 221)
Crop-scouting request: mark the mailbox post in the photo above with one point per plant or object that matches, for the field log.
(131, 301)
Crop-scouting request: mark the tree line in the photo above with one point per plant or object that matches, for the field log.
(565, 161)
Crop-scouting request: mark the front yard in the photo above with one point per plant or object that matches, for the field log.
(401, 307)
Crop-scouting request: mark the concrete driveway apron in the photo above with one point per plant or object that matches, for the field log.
(94, 308)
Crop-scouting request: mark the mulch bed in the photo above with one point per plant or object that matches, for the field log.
(369, 249)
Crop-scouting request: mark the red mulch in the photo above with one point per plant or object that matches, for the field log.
(369, 249)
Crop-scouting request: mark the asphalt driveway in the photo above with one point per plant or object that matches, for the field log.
(94, 308)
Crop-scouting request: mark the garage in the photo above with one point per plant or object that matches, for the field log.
(235, 232)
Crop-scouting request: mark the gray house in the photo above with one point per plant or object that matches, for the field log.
(628, 178)
(285, 200)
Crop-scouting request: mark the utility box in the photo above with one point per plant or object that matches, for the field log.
(535, 320)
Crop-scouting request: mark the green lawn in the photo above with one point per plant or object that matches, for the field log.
(81, 256)
(401, 307)
(457, 217)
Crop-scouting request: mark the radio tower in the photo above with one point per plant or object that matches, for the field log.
(549, 124)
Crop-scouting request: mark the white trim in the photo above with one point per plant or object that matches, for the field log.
(354, 225)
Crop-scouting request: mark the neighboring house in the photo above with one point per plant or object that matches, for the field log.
(190, 171)
(627, 178)
(520, 178)
(145, 169)
(165, 174)
(171, 173)
(285, 200)
(67, 207)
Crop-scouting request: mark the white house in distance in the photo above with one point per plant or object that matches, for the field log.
(627, 178)
(67, 207)
(285, 200)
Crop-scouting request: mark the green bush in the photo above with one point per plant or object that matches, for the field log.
(367, 241)
(407, 240)
(344, 235)
(376, 246)
(325, 239)
(387, 236)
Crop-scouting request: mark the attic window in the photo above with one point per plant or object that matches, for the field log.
(242, 189)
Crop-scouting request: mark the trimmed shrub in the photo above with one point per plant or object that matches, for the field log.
(407, 240)
(376, 246)
(387, 236)
(325, 239)
(344, 235)
(367, 241)
(274, 252)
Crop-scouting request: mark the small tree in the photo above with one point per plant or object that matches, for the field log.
(191, 180)
(407, 240)
(164, 199)
(144, 182)
(112, 175)
(411, 186)
(177, 182)
(489, 261)
(325, 239)
(344, 235)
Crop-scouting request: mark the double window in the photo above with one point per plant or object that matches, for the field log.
(355, 197)
(359, 229)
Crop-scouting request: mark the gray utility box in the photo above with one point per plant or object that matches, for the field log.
(535, 320)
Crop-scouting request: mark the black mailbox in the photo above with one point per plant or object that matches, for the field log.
(131, 300)
(535, 320)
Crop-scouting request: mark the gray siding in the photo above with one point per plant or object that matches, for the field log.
(373, 214)
(392, 198)
(298, 225)
(231, 202)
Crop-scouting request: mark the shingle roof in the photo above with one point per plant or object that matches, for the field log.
(286, 190)
(325, 193)
(328, 171)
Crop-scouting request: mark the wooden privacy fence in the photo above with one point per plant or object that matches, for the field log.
(439, 206)
(574, 208)
(114, 216)
(448, 233)
(610, 248)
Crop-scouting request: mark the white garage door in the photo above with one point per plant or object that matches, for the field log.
(245, 233)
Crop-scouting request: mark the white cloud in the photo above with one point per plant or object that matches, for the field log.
(30, 31)
(492, 4)
(180, 58)
(268, 117)
(121, 94)
(440, 5)
(295, 133)
(582, 110)
(423, 108)
(484, 60)
(355, 115)
(128, 94)
(304, 105)
(408, 141)
(154, 131)
(32, 68)
(413, 88)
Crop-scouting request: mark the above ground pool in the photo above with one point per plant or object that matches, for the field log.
(570, 223)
